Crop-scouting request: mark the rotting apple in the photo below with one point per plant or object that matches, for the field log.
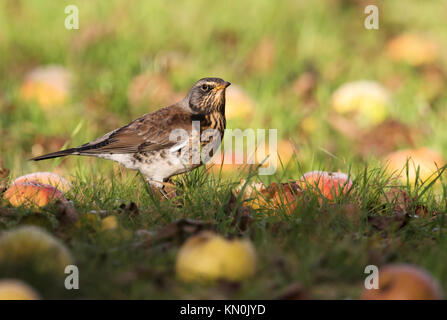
(208, 257)
(32, 194)
(327, 184)
(34, 247)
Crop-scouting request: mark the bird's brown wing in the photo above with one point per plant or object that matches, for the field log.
(150, 132)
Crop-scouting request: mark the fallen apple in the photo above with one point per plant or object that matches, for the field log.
(109, 223)
(403, 282)
(90, 220)
(327, 184)
(32, 194)
(12, 289)
(33, 247)
(48, 85)
(366, 100)
(238, 103)
(425, 160)
(412, 48)
(208, 257)
(45, 178)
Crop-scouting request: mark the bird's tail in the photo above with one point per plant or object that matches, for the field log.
(61, 153)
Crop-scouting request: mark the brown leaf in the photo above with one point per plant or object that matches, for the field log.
(346, 127)
(398, 198)
(422, 211)
(227, 38)
(180, 229)
(305, 85)
(242, 218)
(385, 138)
(6, 212)
(284, 195)
(385, 223)
(153, 89)
(66, 214)
(43, 144)
(131, 209)
(294, 291)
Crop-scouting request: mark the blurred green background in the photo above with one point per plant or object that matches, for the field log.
(288, 57)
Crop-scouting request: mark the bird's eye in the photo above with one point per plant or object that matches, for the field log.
(205, 87)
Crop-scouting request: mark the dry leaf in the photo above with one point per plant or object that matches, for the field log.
(66, 214)
(182, 229)
(394, 222)
(294, 291)
(262, 58)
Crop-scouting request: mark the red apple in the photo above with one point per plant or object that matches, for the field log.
(327, 184)
(32, 194)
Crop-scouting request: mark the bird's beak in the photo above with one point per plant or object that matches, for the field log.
(222, 86)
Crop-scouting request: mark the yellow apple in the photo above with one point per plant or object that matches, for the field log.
(48, 85)
(32, 194)
(12, 289)
(34, 247)
(367, 100)
(238, 103)
(208, 256)
(153, 88)
(273, 196)
(412, 48)
(109, 223)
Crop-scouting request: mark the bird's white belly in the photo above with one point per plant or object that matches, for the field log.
(154, 165)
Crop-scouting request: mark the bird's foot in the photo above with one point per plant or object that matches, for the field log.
(164, 189)
(169, 189)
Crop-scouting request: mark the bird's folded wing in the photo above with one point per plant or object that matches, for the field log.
(150, 132)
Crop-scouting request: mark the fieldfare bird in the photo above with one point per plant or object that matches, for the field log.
(150, 143)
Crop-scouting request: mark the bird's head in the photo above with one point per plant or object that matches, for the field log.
(207, 95)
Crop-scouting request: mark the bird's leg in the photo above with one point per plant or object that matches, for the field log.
(169, 188)
(156, 187)
(166, 189)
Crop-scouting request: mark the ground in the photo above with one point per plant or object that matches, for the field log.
(288, 57)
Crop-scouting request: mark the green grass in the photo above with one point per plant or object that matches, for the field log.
(319, 246)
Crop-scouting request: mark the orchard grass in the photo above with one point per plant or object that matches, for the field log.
(322, 246)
